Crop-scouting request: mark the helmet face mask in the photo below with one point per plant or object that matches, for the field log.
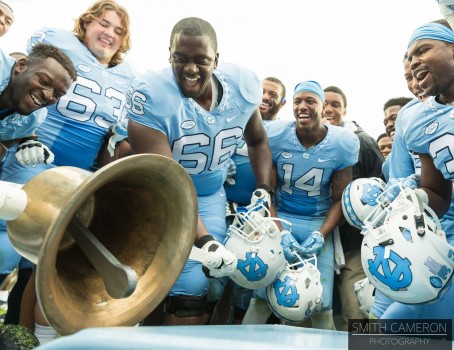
(359, 199)
(256, 241)
(404, 252)
(296, 293)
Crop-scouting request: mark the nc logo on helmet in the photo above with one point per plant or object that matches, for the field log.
(370, 194)
(253, 268)
(285, 292)
(397, 279)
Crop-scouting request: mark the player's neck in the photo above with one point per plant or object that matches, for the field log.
(310, 138)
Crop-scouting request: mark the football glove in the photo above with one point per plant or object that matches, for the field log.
(261, 195)
(231, 172)
(222, 262)
(447, 10)
(291, 247)
(313, 244)
(31, 152)
(117, 133)
(394, 186)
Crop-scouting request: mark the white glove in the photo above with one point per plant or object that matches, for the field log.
(31, 152)
(260, 195)
(222, 262)
(118, 132)
(447, 10)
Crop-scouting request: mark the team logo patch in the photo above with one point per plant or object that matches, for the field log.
(188, 124)
(211, 120)
(436, 282)
(286, 155)
(285, 292)
(393, 271)
(253, 268)
(431, 128)
(84, 68)
(451, 114)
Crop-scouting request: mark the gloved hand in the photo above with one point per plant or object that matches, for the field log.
(231, 172)
(447, 10)
(261, 195)
(230, 209)
(290, 247)
(313, 244)
(117, 133)
(222, 262)
(394, 186)
(31, 152)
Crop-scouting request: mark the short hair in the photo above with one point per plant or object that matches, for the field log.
(277, 81)
(41, 51)
(443, 22)
(398, 101)
(96, 11)
(194, 26)
(382, 136)
(337, 90)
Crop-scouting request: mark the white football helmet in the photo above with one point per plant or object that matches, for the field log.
(256, 241)
(296, 293)
(359, 199)
(365, 293)
(404, 252)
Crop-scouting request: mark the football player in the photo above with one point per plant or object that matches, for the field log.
(75, 128)
(196, 111)
(6, 18)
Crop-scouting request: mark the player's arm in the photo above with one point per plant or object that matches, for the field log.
(147, 140)
(258, 149)
(341, 178)
(438, 189)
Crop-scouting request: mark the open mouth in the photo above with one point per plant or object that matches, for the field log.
(37, 100)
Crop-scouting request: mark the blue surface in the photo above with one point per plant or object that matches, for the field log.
(263, 337)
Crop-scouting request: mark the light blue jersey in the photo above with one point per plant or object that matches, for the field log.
(76, 125)
(245, 183)
(426, 128)
(403, 162)
(15, 125)
(201, 141)
(304, 175)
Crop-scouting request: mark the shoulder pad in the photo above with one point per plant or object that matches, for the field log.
(276, 127)
(247, 82)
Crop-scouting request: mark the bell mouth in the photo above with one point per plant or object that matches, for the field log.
(143, 209)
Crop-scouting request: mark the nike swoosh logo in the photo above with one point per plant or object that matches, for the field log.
(323, 160)
(229, 119)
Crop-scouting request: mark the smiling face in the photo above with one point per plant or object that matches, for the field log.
(390, 120)
(103, 36)
(385, 145)
(412, 84)
(37, 85)
(432, 65)
(335, 109)
(193, 60)
(271, 100)
(307, 110)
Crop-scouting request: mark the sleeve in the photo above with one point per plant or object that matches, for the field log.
(401, 163)
(349, 149)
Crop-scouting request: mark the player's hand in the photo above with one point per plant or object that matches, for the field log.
(394, 186)
(231, 172)
(230, 209)
(447, 10)
(117, 133)
(31, 152)
(291, 247)
(222, 262)
(260, 196)
(313, 244)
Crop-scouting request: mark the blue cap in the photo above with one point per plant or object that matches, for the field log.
(434, 31)
(310, 86)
